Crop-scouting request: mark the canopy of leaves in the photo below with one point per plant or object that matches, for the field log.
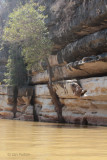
(26, 27)
(6, 7)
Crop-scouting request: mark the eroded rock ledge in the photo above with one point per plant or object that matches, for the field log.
(68, 21)
(79, 32)
(88, 66)
(93, 44)
(91, 107)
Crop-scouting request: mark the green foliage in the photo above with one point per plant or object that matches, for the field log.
(16, 70)
(6, 7)
(26, 27)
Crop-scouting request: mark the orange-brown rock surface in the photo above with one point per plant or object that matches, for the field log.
(78, 29)
(6, 102)
(78, 63)
(24, 109)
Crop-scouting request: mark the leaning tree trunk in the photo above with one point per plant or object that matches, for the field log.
(55, 98)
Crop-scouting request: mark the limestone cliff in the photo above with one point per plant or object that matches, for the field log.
(78, 63)
(71, 20)
(79, 32)
(16, 103)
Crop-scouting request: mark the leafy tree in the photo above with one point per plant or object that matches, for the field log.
(26, 27)
(6, 7)
(16, 70)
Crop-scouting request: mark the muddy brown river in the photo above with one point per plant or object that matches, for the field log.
(47, 141)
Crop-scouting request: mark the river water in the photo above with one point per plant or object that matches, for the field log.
(21, 140)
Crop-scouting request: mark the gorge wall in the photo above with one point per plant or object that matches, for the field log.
(15, 103)
(78, 61)
(78, 65)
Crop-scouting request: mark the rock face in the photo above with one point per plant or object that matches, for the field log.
(78, 63)
(96, 88)
(88, 66)
(91, 108)
(68, 21)
(16, 104)
(93, 44)
(85, 112)
(45, 109)
(24, 109)
(7, 90)
(6, 102)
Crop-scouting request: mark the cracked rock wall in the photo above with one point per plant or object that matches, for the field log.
(79, 32)
(15, 103)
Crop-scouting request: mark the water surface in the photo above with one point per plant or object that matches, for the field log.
(46, 141)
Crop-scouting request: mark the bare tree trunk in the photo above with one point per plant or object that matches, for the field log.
(55, 98)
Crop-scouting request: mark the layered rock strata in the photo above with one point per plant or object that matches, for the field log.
(6, 102)
(86, 67)
(16, 103)
(24, 109)
(91, 108)
(79, 32)
(44, 107)
(79, 58)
